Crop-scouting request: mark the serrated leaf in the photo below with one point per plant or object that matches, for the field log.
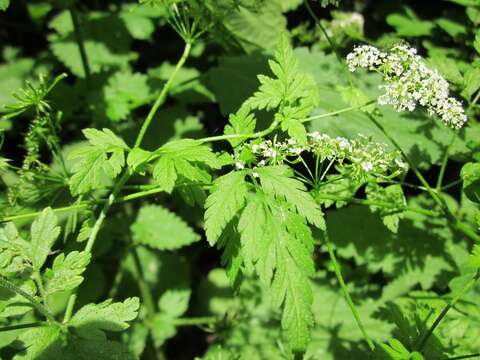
(104, 139)
(279, 243)
(226, 199)
(162, 229)
(93, 319)
(470, 175)
(410, 25)
(182, 157)
(98, 162)
(174, 302)
(125, 91)
(241, 123)
(43, 234)
(138, 157)
(66, 272)
(279, 182)
(394, 202)
(15, 253)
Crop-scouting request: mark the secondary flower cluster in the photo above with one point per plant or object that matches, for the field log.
(361, 156)
(408, 82)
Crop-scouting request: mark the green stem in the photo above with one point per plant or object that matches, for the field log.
(6, 284)
(444, 163)
(143, 286)
(469, 356)
(163, 95)
(81, 46)
(207, 320)
(446, 309)
(433, 193)
(275, 125)
(345, 291)
(22, 326)
(126, 175)
(376, 203)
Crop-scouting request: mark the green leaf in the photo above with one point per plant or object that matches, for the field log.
(452, 28)
(66, 272)
(15, 253)
(162, 229)
(476, 43)
(470, 175)
(125, 91)
(44, 232)
(174, 302)
(471, 83)
(41, 343)
(241, 123)
(138, 157)
(279, 243)
(105, 49)
(97, 163)
(181, 157)
(225, 201)
(409, 25)
(279, 182)
(93, 319)
(394, 202)
(4, 4)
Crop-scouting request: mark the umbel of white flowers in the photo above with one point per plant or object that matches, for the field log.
(408, 82)
(361, 156)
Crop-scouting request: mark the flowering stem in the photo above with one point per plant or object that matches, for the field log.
(345, 291)
(444, 162)
(436, 322)
(433, 193)
(376, 203)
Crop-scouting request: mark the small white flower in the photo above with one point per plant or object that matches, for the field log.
(408, 82)
(239, 165)
(367, 166)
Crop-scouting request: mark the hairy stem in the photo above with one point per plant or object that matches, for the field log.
(444, 162)
(163, 95)
(381, 204)
(446, 309)
(345, 291)
(22, 326)
(81, 45)
(207, 320)
(6, 284)
(126, 175)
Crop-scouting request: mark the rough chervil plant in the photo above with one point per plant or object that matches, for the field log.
(317, 225)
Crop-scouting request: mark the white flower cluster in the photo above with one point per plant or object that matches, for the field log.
(408, 82)
(345, 20)
(362, 155)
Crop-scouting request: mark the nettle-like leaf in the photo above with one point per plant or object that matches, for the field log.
(241, 123)
(292, 91)
(98, 162)
(392, 196)
(66, 272)
(275, 238)
(279, 243)
(125, 91)
(183, 157)
(92, 320)
(162, 229)
(279, 182)
(44, 232)
(226, 200)
(14, 251)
